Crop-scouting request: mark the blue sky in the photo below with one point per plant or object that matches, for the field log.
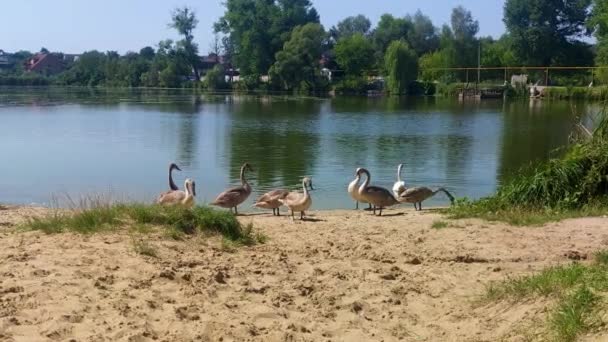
(73, 26)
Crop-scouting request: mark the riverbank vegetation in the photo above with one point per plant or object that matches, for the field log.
(571, 186)
(281, 46)
(95, 217)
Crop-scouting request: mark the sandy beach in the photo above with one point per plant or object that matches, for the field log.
(340, 276)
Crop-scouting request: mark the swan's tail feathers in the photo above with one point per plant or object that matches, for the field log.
(447, 193)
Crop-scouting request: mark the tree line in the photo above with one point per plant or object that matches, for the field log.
(281, 45)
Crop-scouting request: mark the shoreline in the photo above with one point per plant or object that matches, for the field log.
(340, 276)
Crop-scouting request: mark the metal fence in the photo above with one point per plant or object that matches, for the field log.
(545, 76)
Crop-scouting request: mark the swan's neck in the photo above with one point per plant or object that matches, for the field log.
(365, 184)
(243, 180)
(305, 188)
(399, 173)
(188, 190)
(171, 183)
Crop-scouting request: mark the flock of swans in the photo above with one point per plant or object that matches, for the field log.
(377, 197)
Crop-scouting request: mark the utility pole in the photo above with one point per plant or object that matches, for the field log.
(479, 63)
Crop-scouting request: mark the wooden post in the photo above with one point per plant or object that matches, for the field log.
(467, 82)
(505, 74)
(547, 78)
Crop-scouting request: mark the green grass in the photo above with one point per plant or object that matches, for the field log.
(515, 215)
(177, 221)
(577, 289)
(439, 225)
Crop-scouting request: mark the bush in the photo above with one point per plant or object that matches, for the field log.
(26, 80)
(216, 79)
(352, 85)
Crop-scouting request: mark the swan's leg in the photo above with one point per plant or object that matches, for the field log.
(380, 212)
(301, 215)
(278, 211)
(420, 206)
(293, 218)
(374, 209)
(357, 206)
(236, 212)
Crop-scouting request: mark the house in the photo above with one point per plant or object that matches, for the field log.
(46, 63)
(211, 60)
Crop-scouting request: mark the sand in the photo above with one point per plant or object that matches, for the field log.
(342, 276)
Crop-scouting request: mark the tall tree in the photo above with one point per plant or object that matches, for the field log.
(464, 43)
(546, 32)
(389, 29)
(298, 62)
(423, 36)
(401, 64)
(598, 23)
(355, 54)
(184, 21)
(349, 26)
(257, 29)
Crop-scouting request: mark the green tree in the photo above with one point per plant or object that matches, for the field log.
(401, 64)
(297, 64)
(355, 54)
(257, 29)
(430, 64)
(545, 32)
(184, 21)
(598, 24)
(463, 46)
(350, 26)
(388, 30)
(215, 79)
(423, 36)
(147, 52)
(87, 71)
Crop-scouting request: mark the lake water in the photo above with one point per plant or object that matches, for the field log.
(56, 141)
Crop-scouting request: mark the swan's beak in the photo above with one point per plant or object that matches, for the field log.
(311, 188)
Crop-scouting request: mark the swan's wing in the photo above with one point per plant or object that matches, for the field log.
(291, 197)
(272, 196)
(171, 197)
(417, 193)
(377, 189)
(231, 196)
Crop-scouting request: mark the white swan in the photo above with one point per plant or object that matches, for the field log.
(353, 190)
(399, 186)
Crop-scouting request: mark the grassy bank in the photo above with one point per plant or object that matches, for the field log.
(176, 221)
(572, 186)
(576, 93)
(578, 291)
